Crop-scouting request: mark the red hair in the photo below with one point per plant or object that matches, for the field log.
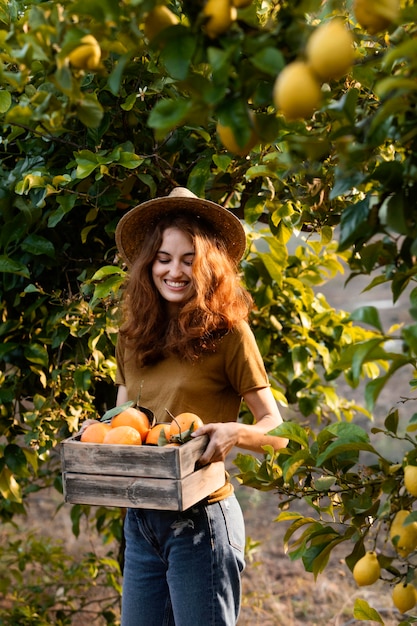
(219, 301)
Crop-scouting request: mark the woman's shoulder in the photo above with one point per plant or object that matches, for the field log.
(241, 332)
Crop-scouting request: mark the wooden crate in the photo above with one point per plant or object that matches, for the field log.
(150, 477)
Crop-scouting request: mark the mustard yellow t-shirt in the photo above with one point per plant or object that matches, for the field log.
(212, 387)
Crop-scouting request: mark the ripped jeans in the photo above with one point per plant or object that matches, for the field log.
(183, 569)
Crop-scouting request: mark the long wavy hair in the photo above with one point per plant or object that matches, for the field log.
(218, 303)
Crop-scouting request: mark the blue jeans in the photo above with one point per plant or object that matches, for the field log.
(183, 569)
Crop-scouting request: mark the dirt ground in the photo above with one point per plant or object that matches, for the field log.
(277, 591)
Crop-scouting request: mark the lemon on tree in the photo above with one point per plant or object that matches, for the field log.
(229, 141)
(404, 597)
(403, 536)
(410, 479)
(330, 50)
(367, 570)
(87, 54)
(296, 92)
(376, 15)
(219, 15)
(158, 20)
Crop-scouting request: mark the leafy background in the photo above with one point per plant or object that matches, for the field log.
(317, 196)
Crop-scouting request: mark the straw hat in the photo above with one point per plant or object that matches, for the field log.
(134, 226)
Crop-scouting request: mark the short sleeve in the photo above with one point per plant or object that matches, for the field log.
(244, 366)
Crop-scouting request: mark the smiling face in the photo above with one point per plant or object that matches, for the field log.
(172, 268)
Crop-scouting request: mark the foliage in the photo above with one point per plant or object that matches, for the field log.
(79, 147)
(41, 584)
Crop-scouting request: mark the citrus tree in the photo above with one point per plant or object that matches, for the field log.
(104, 104)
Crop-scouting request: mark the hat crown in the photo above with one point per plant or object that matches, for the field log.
(181, 192)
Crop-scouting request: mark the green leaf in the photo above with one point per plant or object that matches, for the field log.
(116, 410)
(269, 60)
(15, 459)
(90, 112)
(178, 51)
(36, 353)
(167, 115)
(107, 270)
(367, 315)
(362, 611)
(354, 224)
(13, 267)
(129, 160)
(87, 162)
(5, 101)
(292, 431)
(37, 245)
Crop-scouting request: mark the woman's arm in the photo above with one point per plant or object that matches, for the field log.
(224, 436)
(121, 395)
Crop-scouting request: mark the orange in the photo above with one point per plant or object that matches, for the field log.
(95, 433)
(184, 422)
(152, 438)
(123, 435)
(134, 418)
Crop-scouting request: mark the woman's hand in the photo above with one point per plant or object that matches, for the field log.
(222, 438)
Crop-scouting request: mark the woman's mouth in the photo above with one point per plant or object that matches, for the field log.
(176, 284)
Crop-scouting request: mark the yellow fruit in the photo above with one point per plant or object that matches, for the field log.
(330, 50)
(220, 14)
(153, 436)
(185, 422)
(95, 432)
(132, 417)
(403, 537)
(125, 435)
(367, 570)
(158, 20)
(376, 15)
(404, 597)
(410, 479)
(87, 55)
(296, 91)
(228, 140)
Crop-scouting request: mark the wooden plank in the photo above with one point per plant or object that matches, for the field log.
(150, 493)
(125, 460)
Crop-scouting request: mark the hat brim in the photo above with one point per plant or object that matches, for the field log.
(134, 225)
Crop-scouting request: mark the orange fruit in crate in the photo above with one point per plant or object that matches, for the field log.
(95, 433)
(134, 418)
(184, 422)
(152, 437)
(126, 435)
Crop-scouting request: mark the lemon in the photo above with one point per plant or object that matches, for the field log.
(229, 141)
(403, 537)
(367, 570)
(410, 479)
(87, 55)
(296, 91)
(158, 20)
(404, 597)
(220, 15)
(376, 15)
(330, 50)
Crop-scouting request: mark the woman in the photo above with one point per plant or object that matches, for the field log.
(186, 344)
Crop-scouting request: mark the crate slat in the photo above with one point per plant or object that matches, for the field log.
(152, 477)
(150, 493)
(125, 460)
